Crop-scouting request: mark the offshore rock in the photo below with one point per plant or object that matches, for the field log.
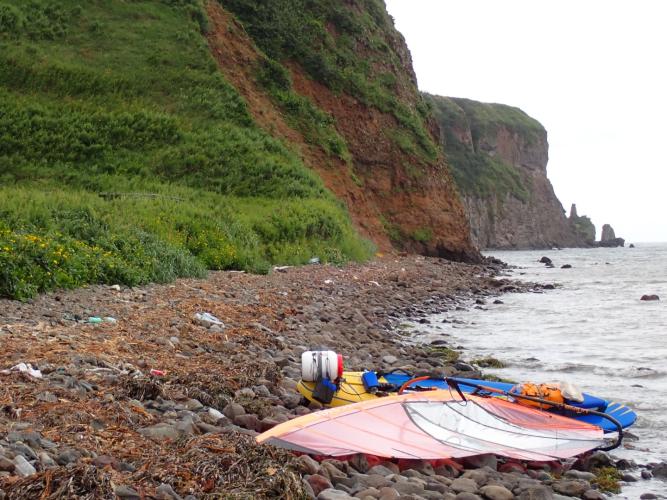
(609, 239)
(660, 470)
(608, 233)
(582, 226)
(616, 242)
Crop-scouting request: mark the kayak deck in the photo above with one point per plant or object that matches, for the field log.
(352, 390)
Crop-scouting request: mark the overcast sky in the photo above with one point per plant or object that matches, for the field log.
(592, 72)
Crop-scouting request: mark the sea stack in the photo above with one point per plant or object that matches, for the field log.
(582, 226)
(609, 239)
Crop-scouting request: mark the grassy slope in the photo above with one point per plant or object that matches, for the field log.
(475, 172)
(124, 97)
(345, 46)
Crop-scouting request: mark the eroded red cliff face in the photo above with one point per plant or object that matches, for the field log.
(398, 197)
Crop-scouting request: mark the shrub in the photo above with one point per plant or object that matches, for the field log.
(11, 21)
(316, 126)
(273, 75)
(423, 235)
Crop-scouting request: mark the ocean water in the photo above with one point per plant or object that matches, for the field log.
(592, 330)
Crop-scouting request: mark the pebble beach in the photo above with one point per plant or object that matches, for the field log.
(153, 402)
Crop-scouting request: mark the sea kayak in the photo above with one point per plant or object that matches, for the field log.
(351, 389)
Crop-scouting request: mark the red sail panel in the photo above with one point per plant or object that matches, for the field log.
(433, 425)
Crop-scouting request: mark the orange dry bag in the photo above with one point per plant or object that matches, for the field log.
(547, 392)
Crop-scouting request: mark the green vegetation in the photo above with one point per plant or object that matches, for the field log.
(489, 362)
(338, 46)
(393, 231)
(607, 479)
(584, 228)
(448, 355)
(485, 118)
(495, 378)
(423, 235)
(481, 175)
(123, 99)
(474, 171)
(316, 126)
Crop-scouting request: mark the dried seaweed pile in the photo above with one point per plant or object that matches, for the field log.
(231, 463)
(83, 482)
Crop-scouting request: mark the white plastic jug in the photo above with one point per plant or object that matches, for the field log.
(316, 365)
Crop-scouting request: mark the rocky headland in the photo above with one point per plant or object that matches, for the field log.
(155, 403)
(498, 156)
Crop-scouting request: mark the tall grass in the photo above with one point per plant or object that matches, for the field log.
(125, 156)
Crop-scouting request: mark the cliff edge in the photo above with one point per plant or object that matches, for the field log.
(498, 155)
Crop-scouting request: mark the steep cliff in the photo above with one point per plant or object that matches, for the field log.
(498, 155)
(345, 63)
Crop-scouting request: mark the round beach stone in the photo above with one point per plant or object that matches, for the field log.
(463, 485)
(307, 464)
(388, 493)
(574, 488)
(318, 483)
(495, 492)
(332, 494)
(536, 493)
(578, 474)
(233, 410)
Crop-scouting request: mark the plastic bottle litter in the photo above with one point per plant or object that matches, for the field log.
(215, 413)
(24, 368)
(207, 320)
(96, 320)
(23, 467)
(314, 260)
(158, 373)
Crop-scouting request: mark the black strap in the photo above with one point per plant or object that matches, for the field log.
(453, 383)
